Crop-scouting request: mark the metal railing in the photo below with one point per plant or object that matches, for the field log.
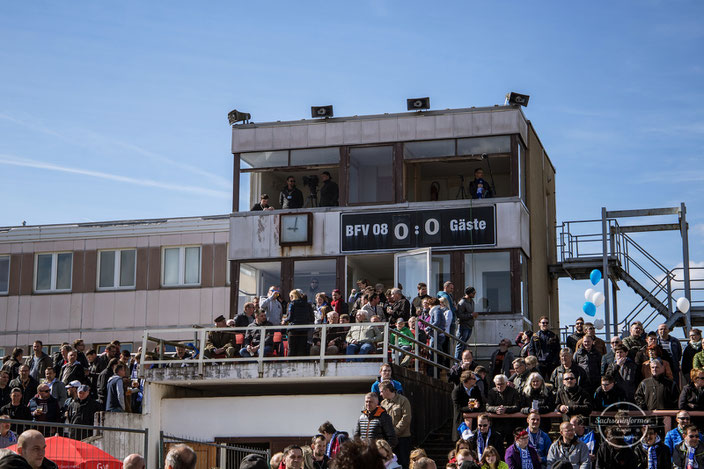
(420, 352)
(220, 455)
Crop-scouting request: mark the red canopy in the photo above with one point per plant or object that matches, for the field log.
(74, 454)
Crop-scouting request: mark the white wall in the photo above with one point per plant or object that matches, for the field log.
(258, 416)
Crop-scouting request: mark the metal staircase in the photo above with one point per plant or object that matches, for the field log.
(586, 245)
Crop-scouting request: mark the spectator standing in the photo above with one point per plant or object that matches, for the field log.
(263, 204)
(320, 460)
(689, 453)
(57, 388)
(290, 196)
(300, 312)
(636, 340)
(624, 371)
(4, 387)
(82, 412)
(465, 319)
(38, 362)
(417, 303)
(569, 448)
(26, 383)
(116, 391)
(608, 394)
(465, 395)
(692, 395)
(333, 438)
(399, 409)
(545, 345)
(12, 366)
(338, 303)
(693, 348)
(447, 290)
(401, 307)
(501, 359)
(246, 317)
(572, 399)
(599, 345)
(183, 457)
(585, 435)
(16, 410)
(32, 447)
(672, 346)
(375, 423)
(102, 382)
(578, 333)
(657, 392)
(655, 351)
(521, 373)
(7, 436)
(520, 453)
(567, 364)
(44, 407)
(610, 356)
(467, 364)
(486, 437)
(273, 305)
(80, 347)
(675, 436)
(329, 191)
(589, 359)
(73, 370)
(538, 438)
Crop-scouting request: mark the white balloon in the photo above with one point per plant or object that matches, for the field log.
(683, 305)
(598, 299)
(588, 294)
(599, 324)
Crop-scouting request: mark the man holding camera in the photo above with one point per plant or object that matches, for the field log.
(479, 188)
(290, 196)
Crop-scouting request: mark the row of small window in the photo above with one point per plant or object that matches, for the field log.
(117, 269)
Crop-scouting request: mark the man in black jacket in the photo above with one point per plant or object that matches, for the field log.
(82, 412)
(573, 338)
(252, 338)
(571, 399)
(16, 410)
(657, 392)
(503, 399)
(375, 423)
(589, 360)
(689, 453)
(545, 345)
(73, 370)
(401, 308)
(26, 383)
(329, 192)
(486, 436)
(465, 316)
(290, 196)
(567, 364)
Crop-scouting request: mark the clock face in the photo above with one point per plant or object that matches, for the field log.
(294, 228)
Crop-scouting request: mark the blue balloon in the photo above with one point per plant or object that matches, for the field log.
(589, 308)
(595, 276)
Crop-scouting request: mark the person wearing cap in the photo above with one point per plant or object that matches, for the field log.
(219, 342)
(82, 412)
(263, 204)
(72, 391)
(329, 191)
(521, 455)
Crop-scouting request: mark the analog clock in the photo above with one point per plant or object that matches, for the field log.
(296, 229)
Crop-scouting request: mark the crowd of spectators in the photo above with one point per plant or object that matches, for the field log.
(69, 386)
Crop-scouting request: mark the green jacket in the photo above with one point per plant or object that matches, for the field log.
(401, 341)
(698, 360)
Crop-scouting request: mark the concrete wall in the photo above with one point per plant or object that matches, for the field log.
(205, 419)
(540, 199)
(255, 235)
(121, 444)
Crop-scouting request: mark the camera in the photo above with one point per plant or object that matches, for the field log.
(311, 182)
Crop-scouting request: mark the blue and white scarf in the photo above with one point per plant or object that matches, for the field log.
(526, 460)
(652, 455)
(481, 444)
(691, 461)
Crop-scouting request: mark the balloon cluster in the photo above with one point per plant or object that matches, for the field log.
(594, 298)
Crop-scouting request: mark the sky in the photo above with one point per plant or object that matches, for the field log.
(118, 110)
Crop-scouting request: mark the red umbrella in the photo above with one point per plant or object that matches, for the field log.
(74, 454)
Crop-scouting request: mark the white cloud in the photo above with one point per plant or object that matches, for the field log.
(27, 163)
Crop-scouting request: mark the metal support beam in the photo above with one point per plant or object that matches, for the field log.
(614, 289)
(685, 263)
(648, 212)
(605, 270)
(642, 228)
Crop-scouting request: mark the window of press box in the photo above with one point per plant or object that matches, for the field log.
(256, 278)
(445, 169)
(271, 183)
(490, 274)
(315, 276)
(371, 175)
(4, 274)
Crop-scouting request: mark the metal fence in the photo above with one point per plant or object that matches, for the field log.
(211, 455)
(68, 444)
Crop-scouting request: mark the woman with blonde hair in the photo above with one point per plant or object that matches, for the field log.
(417, 454)
(537, 395)
(390, 460)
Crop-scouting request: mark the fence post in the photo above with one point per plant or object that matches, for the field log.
(201, 333)
(323, 347)
(146, 446)
(386, 342)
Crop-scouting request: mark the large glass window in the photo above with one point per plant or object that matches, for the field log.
(429, 149)
(370, 175)
(315, 276)
(440, 273)
(116, 269)
(524, 286)
(256, 278)
(490, 274)
(4, 274)
(264, 159)
(181, 266)
(314, 156)
(53, 271)
(480, 145)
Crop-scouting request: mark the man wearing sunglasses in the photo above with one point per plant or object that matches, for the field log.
(545, 345)
(675, 436)
(573, 338)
